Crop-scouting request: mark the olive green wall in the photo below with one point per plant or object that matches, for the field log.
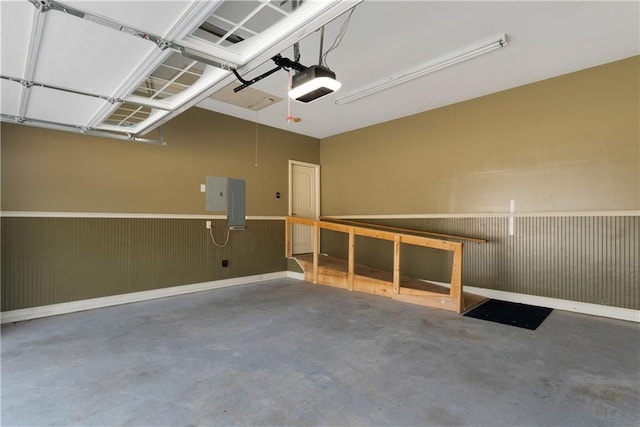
(565, 149)
(570, 143)
(69, 257)
(45, 170)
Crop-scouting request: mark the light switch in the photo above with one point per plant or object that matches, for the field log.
(203, 188)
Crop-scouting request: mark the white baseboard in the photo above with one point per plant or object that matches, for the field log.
(555, 303)
(560, 304)
(88, 304)
(295, 275)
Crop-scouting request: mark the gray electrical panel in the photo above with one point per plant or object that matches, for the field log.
(216, 194)
(227, 195)
(236, 216)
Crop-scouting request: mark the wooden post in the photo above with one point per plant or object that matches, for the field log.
(316, 250)
(396, 264)
(351, 259)
(287, 238)
(456, 293)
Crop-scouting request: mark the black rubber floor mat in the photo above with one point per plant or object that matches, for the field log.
(510, 313)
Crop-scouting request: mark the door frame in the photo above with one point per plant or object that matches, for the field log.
(316, 171)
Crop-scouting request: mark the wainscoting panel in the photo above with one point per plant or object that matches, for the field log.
(49, 260)
(593, 259)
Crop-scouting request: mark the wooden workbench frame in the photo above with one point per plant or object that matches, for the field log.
(453, 301)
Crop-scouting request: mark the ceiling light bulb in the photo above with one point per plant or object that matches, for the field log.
(313, 83)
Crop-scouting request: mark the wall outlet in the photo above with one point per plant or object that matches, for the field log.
(225, 263)
(208, 225)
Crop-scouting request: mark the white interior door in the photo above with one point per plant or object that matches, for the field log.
(304, 202)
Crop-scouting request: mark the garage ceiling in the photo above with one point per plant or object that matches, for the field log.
(125, 68)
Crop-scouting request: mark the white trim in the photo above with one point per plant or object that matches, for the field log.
(316, 171)
(39, 214)
(560, 304)
(555, 303)
(88, 304)
(316, 177)
(42, 214)
(491, 215)
(295, 275)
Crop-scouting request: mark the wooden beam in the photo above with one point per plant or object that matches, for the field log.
(316, 250)
(359, 231)
(421, 293)
(288, 251)
(373, 286)
(430, 243)
(442, 302)
(341, 228)
(405, 230)
(456, 279)
(351, 259)
(302, 221)
(379, 234)
(396, 264)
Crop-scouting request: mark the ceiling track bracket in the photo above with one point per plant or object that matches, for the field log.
(47, 5)
(84, 130)
(202, 57)
(36, 4)
(111, 100)
(164, 44)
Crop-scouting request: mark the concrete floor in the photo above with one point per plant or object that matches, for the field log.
(290, 353)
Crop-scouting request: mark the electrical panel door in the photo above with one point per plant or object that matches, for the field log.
(227, 195)
(216, 194)
(236, 213)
